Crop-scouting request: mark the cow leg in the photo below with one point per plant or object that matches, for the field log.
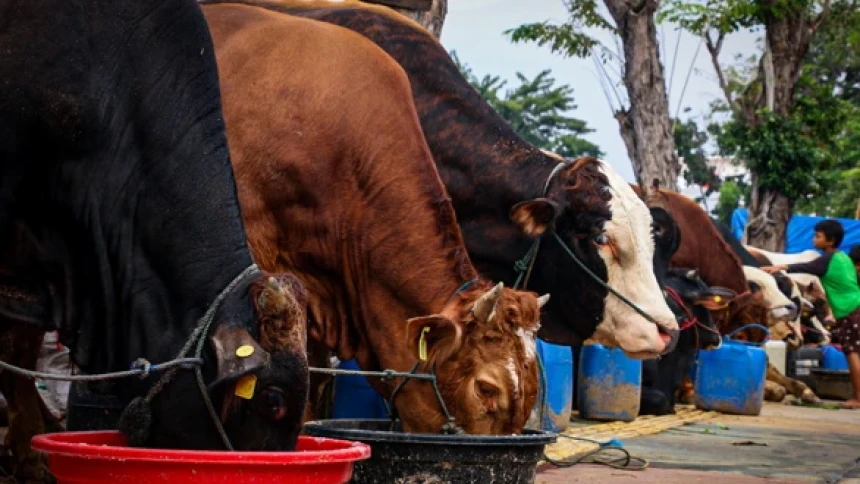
(52, 424)
(20, 345)
(794, 387)
(774, 392)
(685, 393)
(318, 356)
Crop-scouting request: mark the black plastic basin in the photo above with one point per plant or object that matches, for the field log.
(400, 458)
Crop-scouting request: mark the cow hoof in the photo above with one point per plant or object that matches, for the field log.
(809, 397)
(774, 392)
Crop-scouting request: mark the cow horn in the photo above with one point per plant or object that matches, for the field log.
(485, 306)
(543, 300)
(272, 299)
(692, 274)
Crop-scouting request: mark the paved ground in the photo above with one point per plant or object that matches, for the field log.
(785, 444)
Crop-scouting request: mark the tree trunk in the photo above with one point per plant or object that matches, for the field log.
(787, 36)
(769, 214)
(646, 126)
(432, 19)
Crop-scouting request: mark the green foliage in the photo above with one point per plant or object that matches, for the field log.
(731, 194)
(690, 143)
(834, 53)
(811, 154)
(570, 38)
(779, 150)
(537, 109)
(699, 16)
(727, 16)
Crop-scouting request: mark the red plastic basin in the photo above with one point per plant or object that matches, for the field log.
(103, 457)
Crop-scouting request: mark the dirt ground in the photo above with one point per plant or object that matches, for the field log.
(785, 444)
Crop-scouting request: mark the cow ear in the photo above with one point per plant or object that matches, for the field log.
(237, 352)
(534, 217)
(433, 337)
(666, 232)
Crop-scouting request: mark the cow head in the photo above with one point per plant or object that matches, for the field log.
(482, 347)
(609, 229)
(699, 300)
(815, 313)
(747, 308)
(257, 375)
(790, 289)
(781, 307)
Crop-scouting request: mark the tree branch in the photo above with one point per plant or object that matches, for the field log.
(816, 22)
(714, 48)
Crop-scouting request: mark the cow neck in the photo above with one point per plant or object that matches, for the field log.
(155, 237)
(485, 165)
(409, 264)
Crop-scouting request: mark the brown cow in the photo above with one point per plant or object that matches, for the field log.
(507, 195)
(353, 205)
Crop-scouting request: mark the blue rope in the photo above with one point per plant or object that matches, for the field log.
(465, 286)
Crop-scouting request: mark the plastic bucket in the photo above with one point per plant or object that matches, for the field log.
(610, 384)
(103, 457)
(399, 457)
(557, 361)
(354, 397)
(730, 379)
(833, 359)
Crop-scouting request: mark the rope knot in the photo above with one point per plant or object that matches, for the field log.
(451, 428)
(388, 375)
(144, 366)
(521, 265)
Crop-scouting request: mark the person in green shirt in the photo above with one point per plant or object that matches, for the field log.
(838, 275)
(855, 256)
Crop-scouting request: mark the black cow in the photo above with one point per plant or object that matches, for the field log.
(120, 225)
(691, 299)
(667, 239)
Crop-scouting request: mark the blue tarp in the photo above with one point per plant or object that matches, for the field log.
(800, 231)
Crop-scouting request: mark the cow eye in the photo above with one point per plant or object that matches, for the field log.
(601, 239)
(487, 391)
(272, 403)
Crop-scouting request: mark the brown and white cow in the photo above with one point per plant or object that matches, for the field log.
(783, 316)
(767, 258)
(337, 184)
(507, 193)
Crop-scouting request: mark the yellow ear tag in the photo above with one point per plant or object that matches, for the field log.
(422, 344)
(245, 387)
(717, 299)
(244, 351)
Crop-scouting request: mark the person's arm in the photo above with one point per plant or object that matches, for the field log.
(817, 267)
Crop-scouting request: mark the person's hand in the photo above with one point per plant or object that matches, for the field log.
(774, 269)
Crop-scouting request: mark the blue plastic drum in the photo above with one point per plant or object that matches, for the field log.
(730, 379)
(610, 384)
(354, 398)
(557, 364)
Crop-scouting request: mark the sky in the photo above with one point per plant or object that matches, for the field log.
(474, 29)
